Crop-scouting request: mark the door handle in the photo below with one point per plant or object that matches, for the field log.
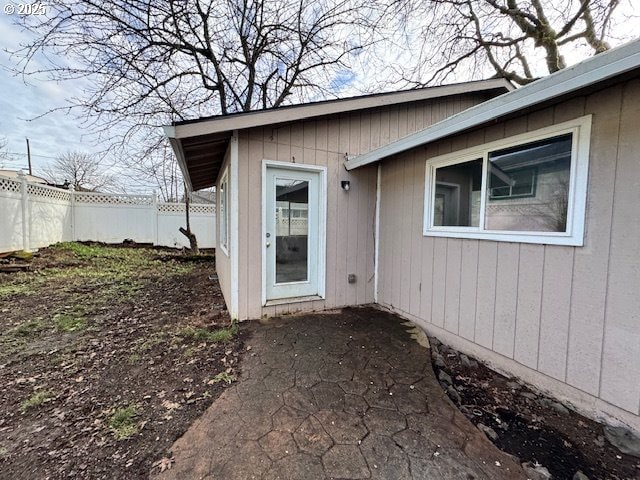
(268, 244)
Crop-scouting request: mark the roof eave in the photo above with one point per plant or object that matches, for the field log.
(594, 70)
(299, 112)
(176, 145)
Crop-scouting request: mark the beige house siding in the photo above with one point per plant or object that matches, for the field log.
(350, 242)
(223, 261)
(566, 318)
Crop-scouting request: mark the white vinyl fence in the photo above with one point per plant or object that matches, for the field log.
(34, 216)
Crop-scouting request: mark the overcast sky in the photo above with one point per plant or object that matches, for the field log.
(22, 100)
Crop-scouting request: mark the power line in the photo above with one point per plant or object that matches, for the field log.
(22, 154)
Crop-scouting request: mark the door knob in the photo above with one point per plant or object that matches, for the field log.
(268, 244)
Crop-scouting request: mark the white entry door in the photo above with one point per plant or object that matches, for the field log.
(293, 247)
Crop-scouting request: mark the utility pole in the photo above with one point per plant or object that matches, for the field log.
(29, 157)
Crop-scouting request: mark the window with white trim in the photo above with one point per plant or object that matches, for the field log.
(527, 188)
(224, 213)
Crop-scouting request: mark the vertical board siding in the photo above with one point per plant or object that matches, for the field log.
(395, 248)
(452, 285)
(350, 243)
(252, 223)
(468, 289)
(620, 382)
(353, 217)
(569, 313)
(415, 235)
(506, 298)
(405, 237)
(439, 284)
(486, 292)
(527, 334)
(554, 317)
(592, 262)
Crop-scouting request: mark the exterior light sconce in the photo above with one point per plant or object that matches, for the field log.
(346, 185)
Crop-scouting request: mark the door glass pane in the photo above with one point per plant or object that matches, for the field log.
(528, 186)
(292, 230)
(457, 196)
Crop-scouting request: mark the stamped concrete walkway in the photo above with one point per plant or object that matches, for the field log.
(343, 395)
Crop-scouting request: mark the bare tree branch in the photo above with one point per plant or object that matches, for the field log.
(507, 37)
(146, 63)
(81, 171)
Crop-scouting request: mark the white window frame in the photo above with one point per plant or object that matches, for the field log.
(224, 211)
(579, 174)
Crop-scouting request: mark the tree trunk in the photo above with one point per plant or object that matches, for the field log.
(193, 241)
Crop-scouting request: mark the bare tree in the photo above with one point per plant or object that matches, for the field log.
(150, 62)
(520, 40)
(81, 171)
(4, 155)
(156, 168)
(187, 232)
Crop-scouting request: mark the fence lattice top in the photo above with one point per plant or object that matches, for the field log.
(48, 192)
(52, 193)
(112, 198)
(180, 208)
(8, 185)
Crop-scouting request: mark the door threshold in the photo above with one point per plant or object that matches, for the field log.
(284, 301)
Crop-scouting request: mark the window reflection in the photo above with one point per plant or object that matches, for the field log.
(528, 186)
(292, 204)
(458, 194)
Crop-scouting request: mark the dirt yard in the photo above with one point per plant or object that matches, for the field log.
(534, 428)
(107, 355)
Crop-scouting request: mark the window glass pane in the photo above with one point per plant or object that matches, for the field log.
(223, 213)
(528, 186)
(457, 195)
(291, 230)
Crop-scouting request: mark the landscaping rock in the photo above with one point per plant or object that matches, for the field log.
(580, 476)
(624, 440)
(453, 394)
(488, 431)
(468, 362)
(536, 472)
(552, 404)
(445, 378)
(514, 385)
(560, 408)
(529, 395)
(438, 360)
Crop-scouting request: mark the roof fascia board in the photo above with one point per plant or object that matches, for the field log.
(298, 112)
(596, 69)
(176, 145)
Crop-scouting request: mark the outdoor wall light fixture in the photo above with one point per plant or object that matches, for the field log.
(346, 185)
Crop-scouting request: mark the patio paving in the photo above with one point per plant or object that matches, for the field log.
(344, 395)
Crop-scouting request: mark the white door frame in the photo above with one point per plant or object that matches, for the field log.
(322, 228)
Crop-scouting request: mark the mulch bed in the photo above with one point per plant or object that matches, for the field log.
(525, 423)
(89, 339)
